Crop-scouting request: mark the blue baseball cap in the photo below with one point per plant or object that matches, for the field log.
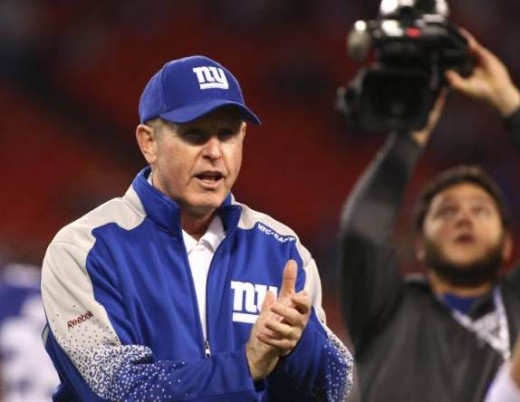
(188, 88)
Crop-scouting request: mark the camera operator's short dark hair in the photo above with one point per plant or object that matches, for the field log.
(458, 175)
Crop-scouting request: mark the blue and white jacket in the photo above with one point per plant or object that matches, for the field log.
(123, 320)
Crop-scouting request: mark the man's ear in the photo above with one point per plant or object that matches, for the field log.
(420, 252)
(147, 139)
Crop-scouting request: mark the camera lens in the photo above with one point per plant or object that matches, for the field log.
(395, 98)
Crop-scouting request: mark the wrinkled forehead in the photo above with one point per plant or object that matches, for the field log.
(462, 193)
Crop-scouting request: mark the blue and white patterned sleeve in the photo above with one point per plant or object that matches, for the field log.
(320, 368)
(95, 365)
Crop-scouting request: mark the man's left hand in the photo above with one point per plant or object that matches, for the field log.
(291, 313)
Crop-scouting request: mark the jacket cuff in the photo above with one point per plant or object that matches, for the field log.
(296, 362)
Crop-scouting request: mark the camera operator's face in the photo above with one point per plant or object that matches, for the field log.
(463, 227)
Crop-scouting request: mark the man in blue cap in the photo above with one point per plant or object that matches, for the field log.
(176, 291)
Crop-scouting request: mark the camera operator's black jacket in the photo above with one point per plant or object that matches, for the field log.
(408, 346)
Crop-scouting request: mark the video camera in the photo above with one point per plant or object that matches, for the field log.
(414, 44)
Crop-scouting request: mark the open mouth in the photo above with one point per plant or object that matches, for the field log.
(210, 177)
(465, 238)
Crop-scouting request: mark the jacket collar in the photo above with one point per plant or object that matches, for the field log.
(165, 212)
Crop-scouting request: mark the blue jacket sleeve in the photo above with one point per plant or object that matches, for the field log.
(223, 377)
(318, 369)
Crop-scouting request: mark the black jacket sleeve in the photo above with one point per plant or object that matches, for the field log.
(513, 126)
(370, 279)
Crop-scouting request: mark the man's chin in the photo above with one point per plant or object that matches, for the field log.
(466, 272)
(464, 263)
(204, 207)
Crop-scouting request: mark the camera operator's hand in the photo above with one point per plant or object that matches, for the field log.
(421, 136)
(490, 80)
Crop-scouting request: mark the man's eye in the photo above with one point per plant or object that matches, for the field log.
(195, 137)
(482, 211)
(227, 134)
(446, 213)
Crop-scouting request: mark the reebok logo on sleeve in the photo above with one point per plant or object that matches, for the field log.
(78, 320)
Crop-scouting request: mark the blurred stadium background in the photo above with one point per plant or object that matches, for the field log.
(71, 73)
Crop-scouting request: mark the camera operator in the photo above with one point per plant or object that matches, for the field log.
(444, 336)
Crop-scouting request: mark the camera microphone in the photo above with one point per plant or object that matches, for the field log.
(359, 41)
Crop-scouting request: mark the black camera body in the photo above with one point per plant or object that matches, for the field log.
(414, 44)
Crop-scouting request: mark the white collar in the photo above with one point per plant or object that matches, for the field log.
(212, 238)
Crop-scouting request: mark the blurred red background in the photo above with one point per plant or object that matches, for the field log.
(71, 74)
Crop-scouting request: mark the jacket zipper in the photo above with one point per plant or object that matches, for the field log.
(205, 342)
(207, 348)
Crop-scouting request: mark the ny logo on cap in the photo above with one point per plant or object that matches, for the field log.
(211, 77)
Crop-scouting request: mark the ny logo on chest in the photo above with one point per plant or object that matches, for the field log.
(247, 300)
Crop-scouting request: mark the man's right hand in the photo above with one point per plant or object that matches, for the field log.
(279, 326)
(262, 358)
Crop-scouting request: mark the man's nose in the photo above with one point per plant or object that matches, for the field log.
(213, 148)
(463, 217)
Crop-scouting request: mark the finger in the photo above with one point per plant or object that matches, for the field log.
(284, 331)
(289, 315)
(475, 47)
(265, 311)
(289, 279)
(302, 302)
(284, 346)
(269, 300)
(456, 81)
(268, 333)
(482, 53)
(485, 57)
(472, 41)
